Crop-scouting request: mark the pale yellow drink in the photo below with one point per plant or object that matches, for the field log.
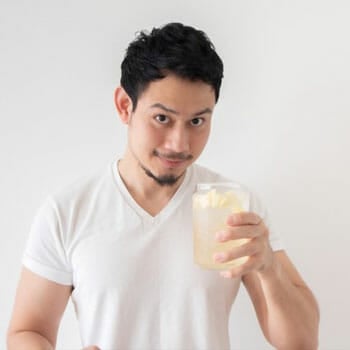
(212, 204)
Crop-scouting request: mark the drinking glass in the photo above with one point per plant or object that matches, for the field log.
(212, 204)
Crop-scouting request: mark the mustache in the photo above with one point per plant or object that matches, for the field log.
(173, 155)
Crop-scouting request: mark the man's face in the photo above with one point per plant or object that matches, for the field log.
(170, 127)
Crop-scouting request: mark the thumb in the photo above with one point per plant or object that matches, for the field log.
(92, 347)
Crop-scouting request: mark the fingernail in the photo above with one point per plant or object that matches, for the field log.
(220, 236)
(232, 218)
(219, 257)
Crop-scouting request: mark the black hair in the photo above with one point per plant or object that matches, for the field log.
(174, 48)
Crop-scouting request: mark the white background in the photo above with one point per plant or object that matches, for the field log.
(281, 126)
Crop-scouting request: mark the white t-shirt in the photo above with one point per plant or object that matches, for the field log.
(135, 284)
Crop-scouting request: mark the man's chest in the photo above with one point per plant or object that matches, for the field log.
(151, 257)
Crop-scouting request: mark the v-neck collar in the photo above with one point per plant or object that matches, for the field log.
(174, 201)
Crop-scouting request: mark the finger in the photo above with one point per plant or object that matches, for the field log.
(247, 249)
(241, 270)
(237, 232)
(243, 218)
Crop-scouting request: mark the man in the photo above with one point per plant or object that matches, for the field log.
(120, 242)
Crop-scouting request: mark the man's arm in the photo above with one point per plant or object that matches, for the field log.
(38, 309)
(286, 309)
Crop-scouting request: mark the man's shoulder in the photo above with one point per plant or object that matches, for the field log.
(205, 174)
(83, 187)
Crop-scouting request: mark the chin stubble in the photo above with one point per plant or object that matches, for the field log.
(169, 179)
(165, 180)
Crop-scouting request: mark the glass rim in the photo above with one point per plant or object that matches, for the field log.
(229, 184)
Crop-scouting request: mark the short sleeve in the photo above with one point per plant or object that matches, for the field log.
(45, 252)
(257, 207)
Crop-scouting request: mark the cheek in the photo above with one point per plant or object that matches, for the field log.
(146, 136)
(153, 135)
(200, 140)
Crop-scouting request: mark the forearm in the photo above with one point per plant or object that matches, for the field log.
(292, 314)
(27, 340)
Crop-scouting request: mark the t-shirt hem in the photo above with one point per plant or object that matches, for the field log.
(53, 275)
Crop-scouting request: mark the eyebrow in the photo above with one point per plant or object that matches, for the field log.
(170, 110)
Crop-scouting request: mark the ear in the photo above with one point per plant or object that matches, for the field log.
(123, 104)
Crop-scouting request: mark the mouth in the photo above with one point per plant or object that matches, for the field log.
(172, 163)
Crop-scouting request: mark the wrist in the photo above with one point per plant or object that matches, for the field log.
(271, 268)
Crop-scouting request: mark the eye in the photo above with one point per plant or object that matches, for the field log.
(161, 118)
(197, 121)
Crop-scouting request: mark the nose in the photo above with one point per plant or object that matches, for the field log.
(178, 140)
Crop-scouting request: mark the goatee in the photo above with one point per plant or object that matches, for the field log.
(164, 180)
